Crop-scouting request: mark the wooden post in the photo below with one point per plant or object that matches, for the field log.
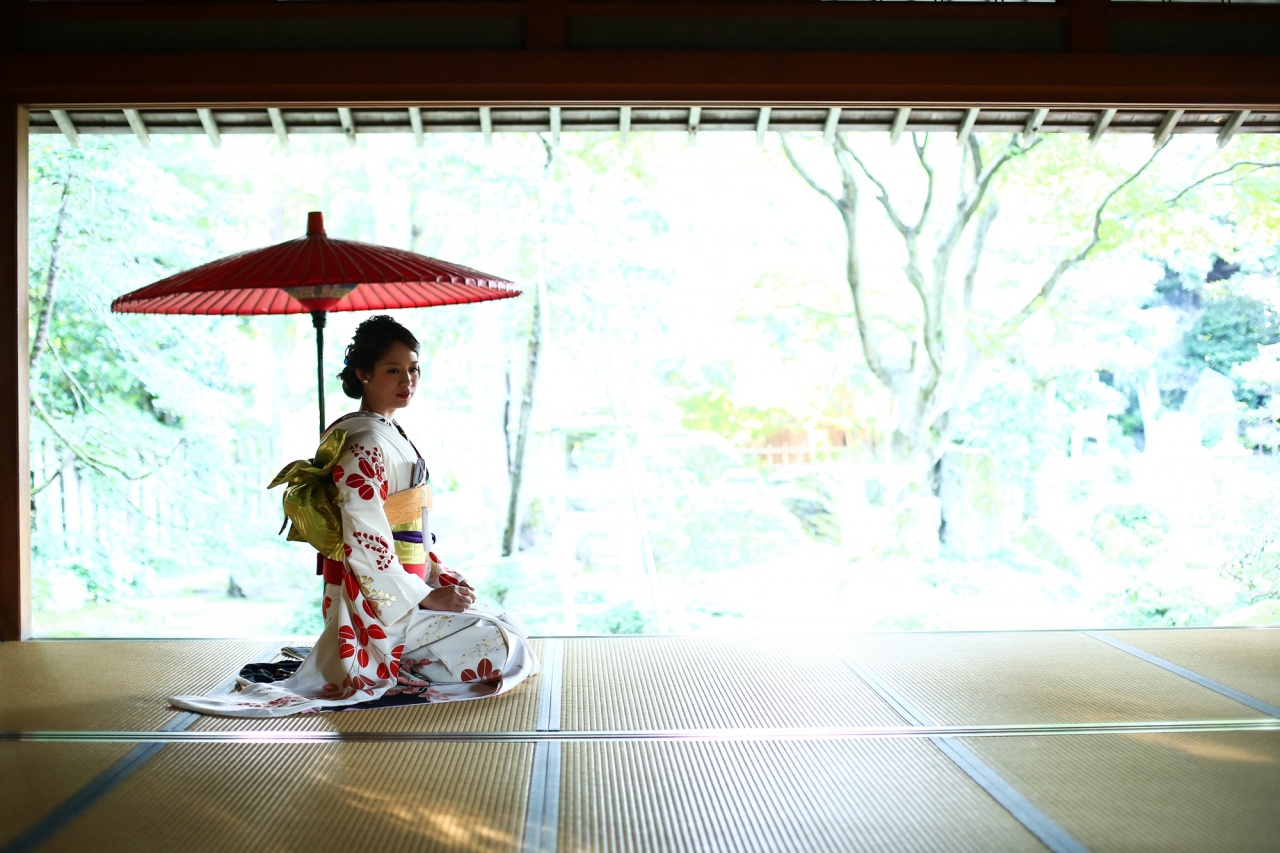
(15, 482)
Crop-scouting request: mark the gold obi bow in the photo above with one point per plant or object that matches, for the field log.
(311, 499)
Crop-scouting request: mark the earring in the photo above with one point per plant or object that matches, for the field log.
(365, 381)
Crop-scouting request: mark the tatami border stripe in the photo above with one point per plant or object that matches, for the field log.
(759, 734)
(1023, 810)
(75, 805)
(549, 687)
(542, 815)
(1216, 686)
(886, 692)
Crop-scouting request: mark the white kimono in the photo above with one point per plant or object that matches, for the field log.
(376, 640)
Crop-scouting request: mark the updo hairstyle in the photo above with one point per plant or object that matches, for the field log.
(372, 339)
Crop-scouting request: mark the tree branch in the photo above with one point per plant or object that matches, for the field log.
(100, 465)
(843, 147)
(1258, 164)
(847, 205)
(928, 170)
(1067, 263)
(795, 164)
(57, 472)
(975, 256)
(910, 233)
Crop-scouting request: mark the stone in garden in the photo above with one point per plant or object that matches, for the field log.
(1212, 401)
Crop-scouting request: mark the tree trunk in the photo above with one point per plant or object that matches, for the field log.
(51, 279)
(515, 456)
(515, 466)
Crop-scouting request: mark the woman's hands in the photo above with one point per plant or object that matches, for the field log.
(453, 599)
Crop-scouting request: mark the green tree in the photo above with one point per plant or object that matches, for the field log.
(924, 333)
(1229, 330)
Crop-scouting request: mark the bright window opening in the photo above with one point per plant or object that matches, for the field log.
(828, 386)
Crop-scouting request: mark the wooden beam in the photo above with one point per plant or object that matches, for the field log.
(486, 125)
(12, 13)
(348, 124)
(624, 124)
(1233, 124)
(546, 24)
(899, 123)
(415, 121)
(695, 118)
(1032, 127)
(762, 125)
(1088, 26)
(15, 475)
(966, 126)
(210, 125)
(662, 78)
(533, 9)
(830, 125)
(139, 127)
(67, 126)
(1101, 125)
(555, 125)
(277, 124)
(1167, 124)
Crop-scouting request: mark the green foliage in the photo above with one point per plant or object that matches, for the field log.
(1148, 602)
(620, 618)
(1130, 533)
(1018, 424)
(1257, 571)
(1230, 329)
(714, 410)
(722, 527)
(808, 497)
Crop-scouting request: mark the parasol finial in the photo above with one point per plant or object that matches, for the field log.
(315, 224)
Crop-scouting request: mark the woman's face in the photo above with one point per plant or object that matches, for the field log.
(393, 380)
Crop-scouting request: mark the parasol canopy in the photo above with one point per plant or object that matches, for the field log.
(315, 274)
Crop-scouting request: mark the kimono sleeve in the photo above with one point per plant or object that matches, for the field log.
(373, 570)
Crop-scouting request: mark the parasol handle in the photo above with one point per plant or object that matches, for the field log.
(318, 320)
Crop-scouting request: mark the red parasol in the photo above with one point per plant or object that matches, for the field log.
(315, 275)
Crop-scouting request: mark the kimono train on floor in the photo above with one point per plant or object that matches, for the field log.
(377, 641)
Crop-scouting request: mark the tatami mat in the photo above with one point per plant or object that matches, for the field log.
(39, 776)
(686, 683)
(516, 711)
(807, 796)
(1157, 792)
(744, 791)
(1247, 659)
(1034, 677)
(321, 796)
(109, 685)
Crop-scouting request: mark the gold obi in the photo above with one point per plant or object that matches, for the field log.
(404, 512)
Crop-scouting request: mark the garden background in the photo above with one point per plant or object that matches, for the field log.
(1024, 383)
